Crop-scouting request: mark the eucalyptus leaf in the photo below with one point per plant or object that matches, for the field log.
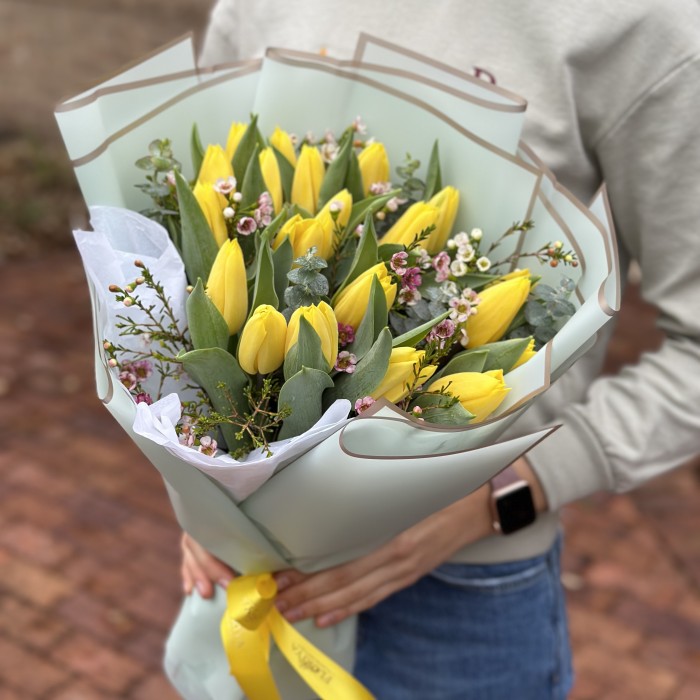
(368, 374)
(198, 245)
(535, 313)
(302, 393)
(220, 376)
(208, 328)
(306, 352)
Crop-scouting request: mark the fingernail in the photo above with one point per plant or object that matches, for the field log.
(186, 588)
(282, 582)
(293, 615)
(281, 605)
(325, 620)
(223, 582)
(201, 588)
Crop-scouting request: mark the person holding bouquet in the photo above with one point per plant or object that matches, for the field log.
(452, 607)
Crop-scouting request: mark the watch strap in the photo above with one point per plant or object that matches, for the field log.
(504, 478)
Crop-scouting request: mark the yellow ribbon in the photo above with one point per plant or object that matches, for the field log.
(246, 627)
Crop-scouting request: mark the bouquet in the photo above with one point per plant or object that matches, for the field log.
(316, 354)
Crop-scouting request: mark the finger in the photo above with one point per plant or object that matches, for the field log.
(211, 567)
(289, 577)
(195, 573)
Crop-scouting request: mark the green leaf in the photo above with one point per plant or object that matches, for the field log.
(353, 181)
(196, 150)
(435, 412)
(368, 374)
(386, 250)
(415, 335)
(467, 361)
(264, 291)
(245, 148)
(373, 322)
(306, 352)
(334, 179)
(207, 326)
(253, 182)
(221, 377)
(433, 180)
(199, 247)
(504, 353)
(282, 263)
(368, 205)
(477, 280)
(366, 255)
(286, 174)
(302, 393)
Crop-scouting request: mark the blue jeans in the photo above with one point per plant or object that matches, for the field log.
(471, 632)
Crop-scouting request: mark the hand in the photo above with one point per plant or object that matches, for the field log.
(201, 569)
(332, 595)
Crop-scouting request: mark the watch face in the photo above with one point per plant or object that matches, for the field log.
(515, 509)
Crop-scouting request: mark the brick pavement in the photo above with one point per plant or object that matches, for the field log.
(88, 545)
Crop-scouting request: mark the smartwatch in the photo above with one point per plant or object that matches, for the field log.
(512, 505)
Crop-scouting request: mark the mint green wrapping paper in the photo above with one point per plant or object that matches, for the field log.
(348, 486)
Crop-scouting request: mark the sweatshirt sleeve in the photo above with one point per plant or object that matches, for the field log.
(221, 43)
(645, 420)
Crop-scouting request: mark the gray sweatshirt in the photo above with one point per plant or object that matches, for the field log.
(614, 94)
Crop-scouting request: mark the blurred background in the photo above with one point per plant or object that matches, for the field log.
(89, 553)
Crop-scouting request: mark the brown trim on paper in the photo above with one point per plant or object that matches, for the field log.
(83, 160)
(603, 192)
(277, 53)
(287, 59)
(365, 39)
(132, 64)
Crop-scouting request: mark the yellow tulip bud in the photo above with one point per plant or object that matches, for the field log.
(235, 135)
(283, 143)
(400, 374)
(210, 202)
(374, 165)
(339, 206)
(498, 307)
(323, 321)
(352, 302)
(515, 274)
(215, 165)
(271, 175)
(446, 201)
(261, 349)
(414, 220)
(308, 176)
(227, 286)
(480, 393)
(304, 234)
(528, 354)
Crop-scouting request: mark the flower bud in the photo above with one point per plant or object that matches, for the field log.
(283, 143)
(415, 219)
(374, 165)
(446, 201)
(480, 393)
(330, 220)
(215, 165)
(271, 175)
(528, 354)
(400, 374)
(210, 202)
(323, 321)
(498, 307)
(352, 302)
(261, 349)
(308, 175)
(227, 286)
(235, 134)
(304, 234)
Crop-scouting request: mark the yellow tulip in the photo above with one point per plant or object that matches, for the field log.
(528, 354)
(215, 165)
(400, 374)
(352, 302)
(344, 200)
(323, 321)
(235, 135)
(210, 202)
(261, 349)
(271, 175)
(446, 201)
(515, 274)
(374, 165)
(283, 143)
(304, 234)
(498, 307)
(414, 220)
(480, 393)
(227, 286)
(308, 176)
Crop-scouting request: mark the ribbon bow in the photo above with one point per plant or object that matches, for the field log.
(251, 618)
